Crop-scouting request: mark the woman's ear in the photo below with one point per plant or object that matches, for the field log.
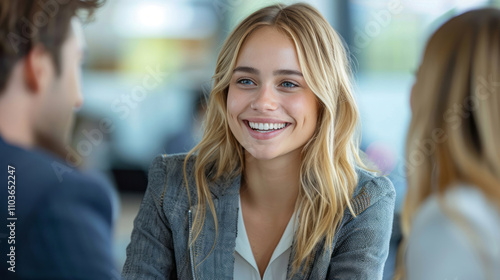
(38, 69)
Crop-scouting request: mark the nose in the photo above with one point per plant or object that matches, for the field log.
(265, 100)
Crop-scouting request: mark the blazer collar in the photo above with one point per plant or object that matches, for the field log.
(226, 186)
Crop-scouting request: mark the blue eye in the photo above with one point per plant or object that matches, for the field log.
(245, 82)
(288, 84)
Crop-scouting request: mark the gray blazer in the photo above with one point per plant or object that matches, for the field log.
(160, 249)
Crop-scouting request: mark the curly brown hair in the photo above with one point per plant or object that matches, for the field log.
(27, 23)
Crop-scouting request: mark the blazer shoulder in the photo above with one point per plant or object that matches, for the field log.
(166, 178)
(370, 189)
(170, 163)
(44, 173)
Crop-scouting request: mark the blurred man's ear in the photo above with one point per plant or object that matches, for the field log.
(38, 69)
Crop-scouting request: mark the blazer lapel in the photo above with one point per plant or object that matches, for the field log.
(214, 257)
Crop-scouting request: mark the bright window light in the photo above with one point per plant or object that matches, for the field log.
(161, 19)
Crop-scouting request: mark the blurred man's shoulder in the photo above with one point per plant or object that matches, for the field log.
(35, 173)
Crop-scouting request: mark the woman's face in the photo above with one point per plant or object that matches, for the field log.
(271, 110)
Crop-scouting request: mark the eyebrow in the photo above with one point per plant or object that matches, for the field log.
(254, 71)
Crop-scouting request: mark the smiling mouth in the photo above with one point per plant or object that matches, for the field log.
(266, 127)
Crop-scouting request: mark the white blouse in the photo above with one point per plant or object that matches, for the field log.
(464, 247)
(245, 266)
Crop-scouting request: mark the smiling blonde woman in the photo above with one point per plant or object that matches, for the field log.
(276, 188)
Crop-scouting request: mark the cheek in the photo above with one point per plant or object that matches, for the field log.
(235, 104)
(70, 81)
(303, 108)
(75, 77)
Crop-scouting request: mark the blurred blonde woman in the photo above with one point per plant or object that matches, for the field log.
(276, 188)
(451, 219)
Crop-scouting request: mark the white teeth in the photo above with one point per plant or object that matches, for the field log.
(266, 126)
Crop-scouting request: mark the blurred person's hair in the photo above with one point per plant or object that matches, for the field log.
(456, 109)
(27, 23)
(327, 176)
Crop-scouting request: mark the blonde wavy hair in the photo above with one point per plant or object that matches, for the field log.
(327, 174)
(454, 134)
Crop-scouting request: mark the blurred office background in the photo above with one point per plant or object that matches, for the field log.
(150, 63)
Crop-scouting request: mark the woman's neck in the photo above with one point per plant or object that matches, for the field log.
(272, 184)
